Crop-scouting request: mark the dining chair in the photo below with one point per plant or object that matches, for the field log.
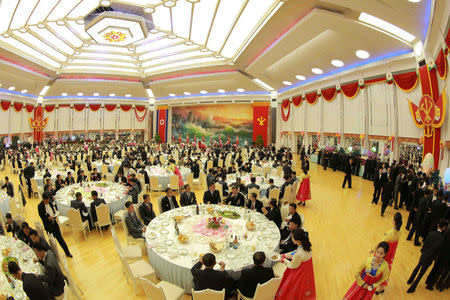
(154, 184)
(137, 269)
(265, 291)
(103, 217)
(133, 252)
(163, 290)
(130, 238)
(75, 222)
(208, 294)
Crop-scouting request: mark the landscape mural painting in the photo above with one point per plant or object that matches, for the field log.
(213, 121)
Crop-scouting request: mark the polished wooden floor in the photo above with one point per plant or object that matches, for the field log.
(343, 227)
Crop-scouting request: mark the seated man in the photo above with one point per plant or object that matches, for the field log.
(187, 197)
(24, 234)
(69, 179)
(235, 198)
(271, 187)
(81, 177)
(273, 213)
(293, 215)
(134, 226)
(252, 276)
(287, 179)
(119, 178)
(254, 204)
(239, 185)
(286, 243)
(79, 205)
(96, 201)
(36, 239)
(211, 196)
(210, 278)
(95, 176)
(11, 225)
(169, 201)
(253, 184)
(133, 190)
(146, 210)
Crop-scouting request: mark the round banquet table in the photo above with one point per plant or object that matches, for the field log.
(39, 175)
(4, 203)
(173, 260)
(24, 256)
(261, 181)
(164, 175)
(114, 194)
(110, 162)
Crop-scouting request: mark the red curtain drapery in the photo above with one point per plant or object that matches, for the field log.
(79, 107)
(285, 103)
(95, 107)
(49, 108)
(312, 97)
(29, 107)
(284, 116)
(375, 80)
(110, 107)
(5, 105)
(441, 64)
(329, 94)
(140, 118)
(125, 107)
(350, 90)
(140, 108)
(406, 81)
(297, 100)
(18, 106)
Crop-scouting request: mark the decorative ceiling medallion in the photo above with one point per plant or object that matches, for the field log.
(115, 36)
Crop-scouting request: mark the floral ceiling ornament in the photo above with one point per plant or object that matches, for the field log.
(115, 36)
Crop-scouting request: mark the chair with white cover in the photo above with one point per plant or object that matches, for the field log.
(287, 194)
(109, 177)
(265, 201)
(273, 173)
(265, 291)
(253, 190)
(284, 211)
(174, 183)
(75, 222)
(220, 163)
(16, 206)
(130, 238)
(137, 269)
(190, 179)
(104, 170)
(159, 203)
(266, 171)
(103, 217)
(40, 230)
(208, 294)
(34, 186)
(209, 164)
(219, 188)
(294, 191)
(54, 246)
(133, 252)
(2, 224)
(201, 180)
(274, 193)
(154, 184)
(278, 269)
(75, 291)
(163, 290)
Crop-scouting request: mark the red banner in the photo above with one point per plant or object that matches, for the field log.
(406, 81)
(29, 107)
(110, 107)
(5, 105)
(441, 64)
(162, 118)
(350, 90)
(38, 124)
(79, 107)
(95, 107)
(312, 97)
(18, 106)
(329, 94)
(297, 100)
(49, 108)
(140, 108)
(125, 107)
(261, 120)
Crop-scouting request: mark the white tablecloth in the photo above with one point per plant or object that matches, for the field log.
(4, 204)
(261, 181)
(173, 260)
(25, 257)
(110, 162)
(39, 176)
(164, 175)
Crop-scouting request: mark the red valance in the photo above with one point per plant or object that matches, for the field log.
(140, 118)
(29, 107)
(329, 94)
(284, 116)
(406, 81)
(79, 107)
(110, 107)
(350, 90)
(18, 106)
(49, 108)
(441, 64)
(311, 97)
(140, 108)
(63, 105)
(125, 107)
(95, 107)
(5, 105)
(375, 80)
(297, 100)
(285, 103)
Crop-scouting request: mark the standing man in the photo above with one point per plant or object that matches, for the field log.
(387, 194)
(348, 174)
(378, 182)
(9, 187)
(29, 173)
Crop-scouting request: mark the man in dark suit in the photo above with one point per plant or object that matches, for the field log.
(252, 184)
(273, 214)
(293, 215)
(69, 179)
(79, 205)
(254, 204)
(211, 196)
(239, 185)
(187, 197)
(52, 272)
(438, 210)
(32, 285)
(378, 183)
(250, 277)
(169, 201)
(210, 278)
(287, 171)
(271, 187)
(36, 239)
(348, 174)
(95, 176)
(387, 194)
(134, 226)
(420, 209)
(285, 184)
(286, 243)
(24, 234)
(81, 177)
(29, 173)
(146, 210)
(9, 187)
(47, 213)
(430, 252)
(11, 225)
(96, 201)
(236, 198)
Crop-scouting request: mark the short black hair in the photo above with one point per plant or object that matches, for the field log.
(293, 205)
(259, 258)
(94, 193)
(209, 260)
(38, 247)
(34, 232)
(443, 223)
(45, 196)
(127, 204)
(25, 225)
(78, 194)
(253, 179)
(254, 195)
(271, 180)
(385, 247)
(6, 178)
(8, 216)
(13, 267)
(167, 189)
(273, 202)
(145, 196)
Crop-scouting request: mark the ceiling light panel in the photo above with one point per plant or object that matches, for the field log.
(25, 8)
(53, 39)
(7, 9)
(42, 10)
(101, 62)
(159, 44)
(82, 9)
(386, 26)
(112, 49)
(61, 10)
(169, 51)
(105, 56)
(66, 34)
(226, 14)
(184, 64)
(181, 18)
(41, 46)
(203, 15)
(89, 69)
(161, 16)
(171, 58)
(79, 29)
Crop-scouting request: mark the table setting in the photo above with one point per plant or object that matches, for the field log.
(110, 162)
(260, 180)
(164, 172)
(39, 174)
(4, 203)
(176, 239)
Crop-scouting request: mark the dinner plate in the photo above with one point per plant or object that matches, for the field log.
(168, 242)
(161, 249)
(273, 236)
(164, 231)
(261, 238)
(183, 252)
(151, 235)
(165, 223)
(231, 255)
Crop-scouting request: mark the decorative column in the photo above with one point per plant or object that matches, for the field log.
(117, 121)
(341, 117)
(365, 119)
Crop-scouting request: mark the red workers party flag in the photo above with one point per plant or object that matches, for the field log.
(260, 120)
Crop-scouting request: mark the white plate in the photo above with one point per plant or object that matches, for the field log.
(164, 232)
(275, 259)
(231, 255)
(168, 242)
(151, 235)
(161, 249)
(183, 252)
(165, 223)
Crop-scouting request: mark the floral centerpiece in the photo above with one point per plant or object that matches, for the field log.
(215, 222)
(6, 260)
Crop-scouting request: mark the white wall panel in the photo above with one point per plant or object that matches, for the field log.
(50, 121)
(378, 109)
(26, 121)
(406, 125)
(94, 118)
(110, 120)
(16, 121)
(313, 117)
(78, 120)
(4, 121)
(331, 115)
(64, 119)
(125, 119)
(299, 121)
(137, 124)
(353, 114)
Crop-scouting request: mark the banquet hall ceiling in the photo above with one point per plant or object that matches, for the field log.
(276, 41)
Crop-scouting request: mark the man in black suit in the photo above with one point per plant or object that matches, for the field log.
(11, 225)
(236, 198)
(438, 210)
(32, 285)
(79, 205)
(24, 234)
(52, 272)
(252, 184)
(211, 196)
(146, 210)
(135, 228)
(286, 243)
(420, 209)
(387, 194)
(29, 173)
(187, 197)
(378, 182)
(69, 179)
(293, 215)
(96, 201)
(222, 181)
(239, 185)
(210, 278)
(430, 252)
(250, 277)
(95, 176)
(9, 187)
(169, 201)
(254, 204)
(285, 184)
(36, 239)
(81, 177)
(348, 174)
(273, 214)
(440, 271)
(47, 213)
(271, 187)
(287, 171)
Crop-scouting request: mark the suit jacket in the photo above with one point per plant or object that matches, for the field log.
(238, 200)
(251, 277)
(81, 178)
(70, 180)
(79, 205)
(286, 243)
(13, 227)
(94, 204)
(165, 203)
(24, 238)
(388, 191)
(275, 215)
(187, 198)
(268, 190)
(96, 177)
(211, 279)
(146, 212)
(431, 247)
(258, 205)
(9, 189)
(252, 185)
(438, 211)
(212, 198)
(35, 288)
(134, 225)
(48, 225)
(283, 188)
(53, 275)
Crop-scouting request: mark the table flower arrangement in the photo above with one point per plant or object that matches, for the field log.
(215, 222)
(212, 227)
(6, 260)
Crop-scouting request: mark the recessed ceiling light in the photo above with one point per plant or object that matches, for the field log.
(203, 92)
(172, 95)
(23, 91)
(41, 25)
(5, 35)
(172, 36)
(96, 94)
(240, 90)
(169, 3)
(186, 93)
(337, 63)
(64, 94)
(80, 21)
(287, 82)
(300, 77)
(22, 30)
(413, 1)
(128, 95)
(60, 22)
(105, 3)
(363, 54)
(11, 88)
(221, 90)
(188, 43)
(80, 94)
(76, 53)
(316, 71)
(112, 95)
(154, 31)
(204, 50)
(149, 10)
